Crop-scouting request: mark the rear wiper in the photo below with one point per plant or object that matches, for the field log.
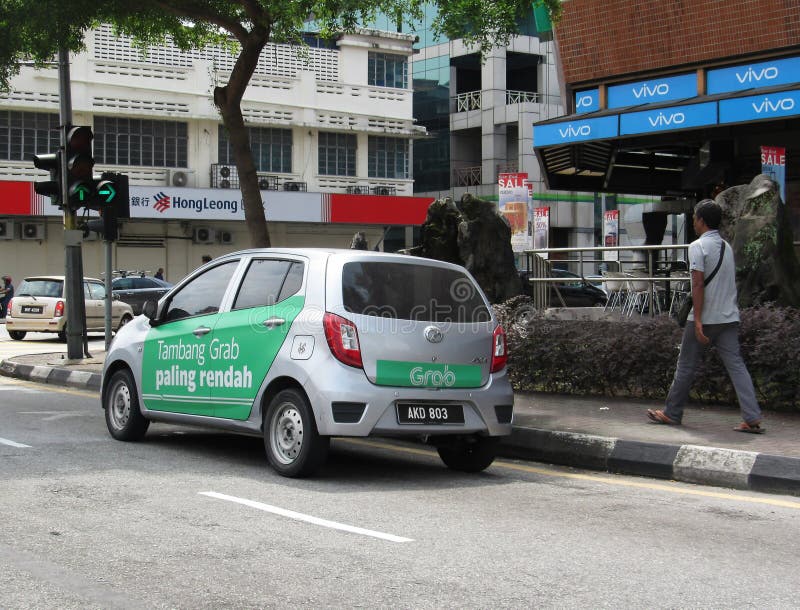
(26, 294)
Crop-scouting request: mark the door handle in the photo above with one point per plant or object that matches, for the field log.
(201, 330)
(274, 322)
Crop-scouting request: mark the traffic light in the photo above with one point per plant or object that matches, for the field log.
(80, 185)
(110, 198)
(50, 162)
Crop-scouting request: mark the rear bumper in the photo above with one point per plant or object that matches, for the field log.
(379, 417)
(31, 325)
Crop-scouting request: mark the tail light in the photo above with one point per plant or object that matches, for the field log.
(59, 309)
(342, 338)
(499, 349)
(8, 307)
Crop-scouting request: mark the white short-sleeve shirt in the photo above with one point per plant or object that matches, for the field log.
(720, 304)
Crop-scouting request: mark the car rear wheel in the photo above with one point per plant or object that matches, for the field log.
(125, 319)
(293, 445)
(17, 335)
(121, 403)
(471, 454)
(62, 335)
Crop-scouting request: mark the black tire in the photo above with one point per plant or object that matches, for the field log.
(125, 319)
(471, 454)
(293, 445)
(62, 336)
(121, 403)
(17, 335)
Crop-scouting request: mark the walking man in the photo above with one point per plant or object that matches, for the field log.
(714, 320)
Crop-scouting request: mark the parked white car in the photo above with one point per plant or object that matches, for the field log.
(39, 306)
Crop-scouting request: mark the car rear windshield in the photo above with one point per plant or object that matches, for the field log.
(411, 292)
(40, 288)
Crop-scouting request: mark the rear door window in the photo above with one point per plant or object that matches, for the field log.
(98, 291)
(411, 292)
(268, 282)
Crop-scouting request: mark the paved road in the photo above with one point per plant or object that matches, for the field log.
(192, 519)
(41, 343)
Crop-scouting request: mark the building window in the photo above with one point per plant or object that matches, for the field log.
(142, 142)
(272, 149)
(23, 134)
(387, 70)
(337, 154)
(387, 158)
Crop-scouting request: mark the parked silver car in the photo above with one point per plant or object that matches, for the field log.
(299, 345)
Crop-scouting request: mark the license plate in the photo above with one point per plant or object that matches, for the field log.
(31, 309)
(410, 413)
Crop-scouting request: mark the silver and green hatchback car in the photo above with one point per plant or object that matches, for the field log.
(299, 345)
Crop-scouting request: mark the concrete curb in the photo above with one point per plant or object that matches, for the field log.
(687, 463)
(83, 380)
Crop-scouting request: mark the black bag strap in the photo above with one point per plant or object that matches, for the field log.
(719, 264)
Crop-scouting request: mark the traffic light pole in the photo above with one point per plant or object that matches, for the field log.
(77, 344)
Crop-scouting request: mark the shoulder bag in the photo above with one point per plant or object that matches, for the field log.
(686, 306)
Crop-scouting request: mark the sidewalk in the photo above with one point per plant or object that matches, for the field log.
(598, 433)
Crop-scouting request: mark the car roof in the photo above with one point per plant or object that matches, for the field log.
(57, 278)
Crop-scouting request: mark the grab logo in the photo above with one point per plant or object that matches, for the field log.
(437, 379)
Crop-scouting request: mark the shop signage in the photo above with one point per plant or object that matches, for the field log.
(757, 107)
(773, 164)
(753, 76)
(653, 91)
(587, 101)
(513, 203)
(668, 119)
(576, 131)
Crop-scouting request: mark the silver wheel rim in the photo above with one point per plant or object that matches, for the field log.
(119, 405)
(286, 431)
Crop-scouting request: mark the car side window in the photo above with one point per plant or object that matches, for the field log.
(143, 282)
(202, 295)
(124, 283)
(98, 290)
(262, 283)
(86, 292)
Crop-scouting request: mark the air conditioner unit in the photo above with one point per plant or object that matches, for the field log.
(225, 238)
(204, 235)
(294, 186)
(6, 229)
(384, 190)
(179, 178)
(32, 230)
(358, 189)
(268, 183)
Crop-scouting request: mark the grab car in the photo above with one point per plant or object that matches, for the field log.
(301, 345)
(39, 306)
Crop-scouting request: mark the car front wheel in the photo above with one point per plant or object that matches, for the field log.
(471, 454)
(17, 335)
(293, 445)
(121, 403)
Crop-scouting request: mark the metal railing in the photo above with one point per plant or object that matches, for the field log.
(540, 267)
(471, 100)
(467, 176)
(521, 97)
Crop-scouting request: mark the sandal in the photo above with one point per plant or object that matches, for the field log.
(657, 417)
(754, 428)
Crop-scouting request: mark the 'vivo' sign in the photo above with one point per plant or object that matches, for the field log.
(587, 101)
(666, 119)
(575, 131)
(652, 91)
(752, 76)
(773, 105)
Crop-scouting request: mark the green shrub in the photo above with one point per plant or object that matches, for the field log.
(621, 357)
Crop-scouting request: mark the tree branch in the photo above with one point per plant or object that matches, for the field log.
(194, 11)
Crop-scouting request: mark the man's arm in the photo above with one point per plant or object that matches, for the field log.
(698, 297)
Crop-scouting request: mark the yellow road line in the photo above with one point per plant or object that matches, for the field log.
(50, 387)
(608, 480)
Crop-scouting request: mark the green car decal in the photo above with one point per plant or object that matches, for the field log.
(219, 373)
(427, 375)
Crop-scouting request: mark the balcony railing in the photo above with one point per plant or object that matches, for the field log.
(467, 176)
(471, 100)
(521, 97)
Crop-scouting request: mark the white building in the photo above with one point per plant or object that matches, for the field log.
(330, 126)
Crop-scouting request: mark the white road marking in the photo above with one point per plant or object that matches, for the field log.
(5, 441)
(307, 518)
(55, 415)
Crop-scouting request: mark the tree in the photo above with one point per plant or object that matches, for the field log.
(34, 30)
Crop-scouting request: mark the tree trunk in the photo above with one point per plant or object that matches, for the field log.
(228, 100)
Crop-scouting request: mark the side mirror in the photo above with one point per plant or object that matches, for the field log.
(150, 309)
(115, 296)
